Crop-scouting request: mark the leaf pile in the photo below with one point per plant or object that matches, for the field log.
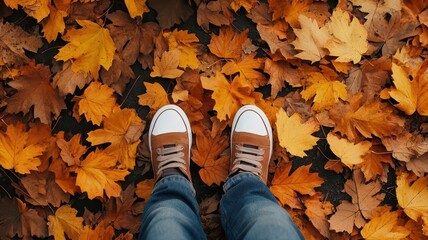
(346, 80)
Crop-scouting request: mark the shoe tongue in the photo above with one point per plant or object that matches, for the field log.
(250, 146)
(169, 146)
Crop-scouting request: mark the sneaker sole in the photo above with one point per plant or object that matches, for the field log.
(264, 118)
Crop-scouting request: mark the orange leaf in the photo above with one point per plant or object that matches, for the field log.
(102, 232)
(384, 227)
(215, 168)
(167, 65)
(229, 97)
(228, 44)
(155, 97)
(16, 152)
(187, 45)
(246, 68)
(65, 222)
(145, 188)
(349, 153)
(288, 10)
(285, 185)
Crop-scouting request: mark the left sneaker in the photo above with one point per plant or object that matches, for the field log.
(170, 140)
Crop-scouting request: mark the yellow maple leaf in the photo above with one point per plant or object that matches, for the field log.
(411, 95)
(16, 152)
(326, 92)
(285, 185)
(155, 97)
(122, 129)
(310, 39)
(97, 101)
(145, 188)
(54, 24)
(348, 152)
(247, 4)
(37, 9)
(136, 8)
(65, 221)
(294, 135)
(90, 48)
(167, 65)
(187, 44)
(413, 198)
(229, 97)
(384, 227)
(288, 10)
(97, 173)
(349, 38)
(246, 68)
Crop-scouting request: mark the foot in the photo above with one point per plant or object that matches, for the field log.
(170, 140)
(251, 142)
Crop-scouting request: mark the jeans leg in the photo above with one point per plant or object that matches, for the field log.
(172, 211)
(250, 211)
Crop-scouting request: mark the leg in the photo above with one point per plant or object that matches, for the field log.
(172, 211)
(248, 208)
(250, 211)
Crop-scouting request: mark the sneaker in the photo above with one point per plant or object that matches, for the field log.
(170, 140)
(251, 142)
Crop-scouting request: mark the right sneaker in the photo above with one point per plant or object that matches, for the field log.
(251, 142)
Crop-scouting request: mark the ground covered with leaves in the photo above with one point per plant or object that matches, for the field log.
(344, 85)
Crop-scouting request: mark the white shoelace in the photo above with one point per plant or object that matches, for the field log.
(170, 157)
(248, 159)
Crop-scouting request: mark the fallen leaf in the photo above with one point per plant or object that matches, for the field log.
(228, 44)
(54, 24)
(294, 135)
(317, 212)
(281, 72)
(16, 153)
(122, 129)
(406, 146)
(85, 49)
(136, 8)
(34, 89)
(187, 45)
(67, 81)
(167, 65)
(349, 153)
(101, 232)
(246, 67)
(155, 97)
(285, 185)
(215, 12)
(412, 197)
(349, 39)
(144, 189)
(37, 9)
(384, 227)
(288, 10)
(170, 12)
(65, 221)
(97, 101)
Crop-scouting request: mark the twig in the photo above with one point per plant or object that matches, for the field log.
(130, 90)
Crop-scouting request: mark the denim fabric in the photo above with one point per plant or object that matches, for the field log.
(248, 211)
(172, 211)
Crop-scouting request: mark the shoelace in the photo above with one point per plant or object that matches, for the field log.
(248, 159)
(170, 157)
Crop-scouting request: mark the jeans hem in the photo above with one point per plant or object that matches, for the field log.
(175, 178)
(230, 182)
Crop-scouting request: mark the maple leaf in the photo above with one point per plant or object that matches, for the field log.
(13, 43)
(19, 220)
(372, 165)
(166, 66)
(34, 89)
(310, 39)
(269, 106)
(411, 95)
(294, 135)
(186, 43)
(37, 9)
(97, 101)
(246, 68)
(170, 12)
(375, 118)
(364, 200)
(214, 168)
(274, 43)
(317, 211)
(102, 231)
(97, 173)
(413, 197)
(16, 152)
(281, 71)
(118, 75)
(326, 92)
(349, 153)
(288, 10)
(349, 39)
(90, 48)
(384, 227)
(66, 80)
(228, 44)
(65, 222)
(229, 97)
(122, 129)
(121, 211)
(407, 146)
(136, 8)
(145, 188)
(247, 4)
(54, 24)
(285, 185)
(155, 97)
(215, 12)
(63, 177)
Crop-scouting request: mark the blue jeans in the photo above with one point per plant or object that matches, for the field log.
(248, 211)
